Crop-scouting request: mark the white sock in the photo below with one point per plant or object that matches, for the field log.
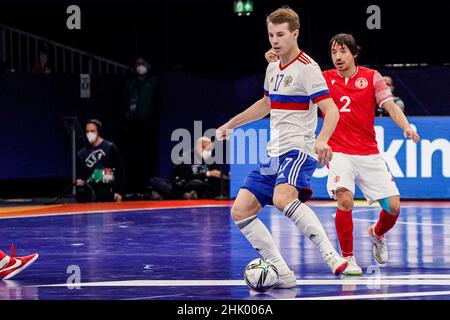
(308, 224)
(261, 240)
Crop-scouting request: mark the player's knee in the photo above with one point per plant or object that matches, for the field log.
(239, 213)
(284, 194)
(344, 199)
(235, 214)
(281, 201)
(346, 203)
(394, 205)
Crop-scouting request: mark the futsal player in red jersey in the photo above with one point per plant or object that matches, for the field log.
(356, 158)
(357, 161)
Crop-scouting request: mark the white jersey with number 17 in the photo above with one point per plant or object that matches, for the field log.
(293, 90)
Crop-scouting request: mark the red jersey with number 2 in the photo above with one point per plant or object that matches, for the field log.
(356, 98)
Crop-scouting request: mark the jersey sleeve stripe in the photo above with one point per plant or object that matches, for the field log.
(386, 100)
(320, 98)
(303, 56)
(320, 93)
(288, 98)
(303, 60)
(266, 93)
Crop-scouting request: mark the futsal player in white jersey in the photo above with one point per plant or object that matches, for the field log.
(292, 86)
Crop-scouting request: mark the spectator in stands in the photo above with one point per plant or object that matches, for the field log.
(141, 126)
(100, 172)
(399, 102)
(42, 66)
(195, 179)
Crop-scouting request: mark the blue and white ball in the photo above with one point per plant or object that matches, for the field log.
(260, 275)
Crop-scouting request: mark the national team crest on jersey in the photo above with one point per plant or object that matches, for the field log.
(287, 82)
(361, 83)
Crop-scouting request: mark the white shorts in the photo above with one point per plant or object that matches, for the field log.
(370, 173)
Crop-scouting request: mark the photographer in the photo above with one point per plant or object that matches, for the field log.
(196, 179)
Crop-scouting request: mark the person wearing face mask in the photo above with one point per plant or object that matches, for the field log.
(399, 102)
(140, 125)
(199, 177)
(100, 172)
(202, 176)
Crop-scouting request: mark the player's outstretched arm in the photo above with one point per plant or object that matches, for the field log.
(331, 118)
(400, 120)
(256, 111)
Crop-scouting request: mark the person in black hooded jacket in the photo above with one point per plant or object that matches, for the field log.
(196, 178)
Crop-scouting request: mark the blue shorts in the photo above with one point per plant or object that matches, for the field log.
(294, 167)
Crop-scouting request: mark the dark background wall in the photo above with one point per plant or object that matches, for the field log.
(35, 148)
(207, 35)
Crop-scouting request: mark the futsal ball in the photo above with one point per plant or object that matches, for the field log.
(260, 275)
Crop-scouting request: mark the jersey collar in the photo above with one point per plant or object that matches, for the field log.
(284, 67)
(353, 75)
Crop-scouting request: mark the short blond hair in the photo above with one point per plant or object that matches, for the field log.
(283, 15)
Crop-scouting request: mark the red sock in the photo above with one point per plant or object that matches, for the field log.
(385, 223)
(344, 228)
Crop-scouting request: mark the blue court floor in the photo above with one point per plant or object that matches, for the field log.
(198, 253)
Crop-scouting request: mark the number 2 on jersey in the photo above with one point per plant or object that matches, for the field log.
(347, 100)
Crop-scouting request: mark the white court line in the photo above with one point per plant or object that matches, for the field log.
(154, 297)
(366, 210)
(359, 211)
(377, 206)
(407, 223)
(378, 296)
(398, 222)
(306, 282)
(152, 283)
(362, 210)
(419, 276)
(115, 210)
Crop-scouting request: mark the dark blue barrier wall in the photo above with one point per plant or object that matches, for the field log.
(425, 91)
(194, 97)
(33, 141)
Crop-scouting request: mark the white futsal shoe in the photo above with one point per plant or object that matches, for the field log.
(379, 247)
(352, 269)
(336, 263)
(286, 281)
